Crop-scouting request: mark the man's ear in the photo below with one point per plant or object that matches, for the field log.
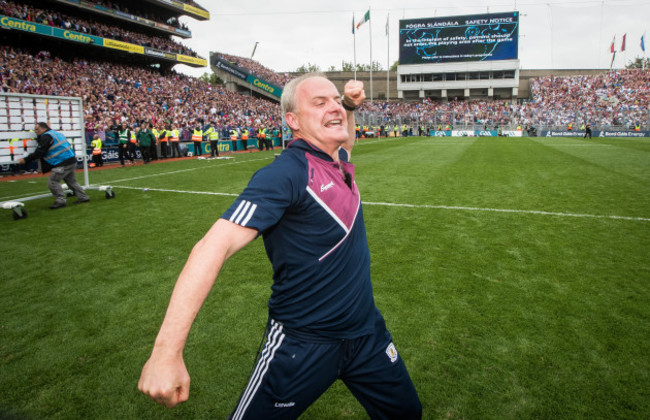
(292, 121)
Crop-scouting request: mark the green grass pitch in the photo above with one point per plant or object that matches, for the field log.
(514, 275)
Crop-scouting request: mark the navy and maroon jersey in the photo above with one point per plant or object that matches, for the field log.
(308, 210)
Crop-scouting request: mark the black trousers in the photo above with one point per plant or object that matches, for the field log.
(214, 147)
(130, 152)
(176, 150)
(146, 153)
(153, 152)
(164, 149)
(98, 160)
(122, 152)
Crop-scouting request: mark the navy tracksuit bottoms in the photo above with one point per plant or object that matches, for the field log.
(292, 372)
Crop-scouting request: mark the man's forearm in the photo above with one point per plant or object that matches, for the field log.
(349, 144)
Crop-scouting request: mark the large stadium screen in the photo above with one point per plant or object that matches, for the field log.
(459, 38)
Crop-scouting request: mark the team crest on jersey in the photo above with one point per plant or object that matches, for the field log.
(391, 351)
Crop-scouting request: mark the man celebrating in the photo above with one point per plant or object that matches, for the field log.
(56, 153)
(323, 322)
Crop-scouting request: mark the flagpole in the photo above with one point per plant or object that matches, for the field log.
(354, 35)
(613, 51)
(370, 32)
(643, 63)
(624, 49)
(387, 60)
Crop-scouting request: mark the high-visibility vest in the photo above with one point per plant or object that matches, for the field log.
(262, 133)
(96, 144)
(233, 134)
(133, 139)
(60, 150)
(197, 135)
(244, 135)
(124, 136)
(174, 135)
(164, 137)
(155, 133)
(637, 127)
(213, 133)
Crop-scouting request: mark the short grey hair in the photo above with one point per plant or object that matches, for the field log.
(288, 99)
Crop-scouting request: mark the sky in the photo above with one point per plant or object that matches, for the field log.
(553, 34)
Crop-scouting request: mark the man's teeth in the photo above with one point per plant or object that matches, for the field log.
(333, 122)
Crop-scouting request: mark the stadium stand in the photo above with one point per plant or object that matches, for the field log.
(115, 93)
(30, 12)
(616, 100)
(119, 86)
(257, 69)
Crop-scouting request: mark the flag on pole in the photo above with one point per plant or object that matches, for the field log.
(366, 18)
(612, 48)
(386, 25)
(643, 42)
(623, 44)
(352, 24)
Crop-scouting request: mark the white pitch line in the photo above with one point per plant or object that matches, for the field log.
(183, 170)
(178, 191)
(538, 212)
(429, 206)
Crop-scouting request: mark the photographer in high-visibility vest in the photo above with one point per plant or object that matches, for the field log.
(96, 145)
(56, 154)
(197, 138)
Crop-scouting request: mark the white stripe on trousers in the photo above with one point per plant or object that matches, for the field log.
(273, 342)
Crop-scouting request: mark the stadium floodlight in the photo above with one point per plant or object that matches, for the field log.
(254, 48)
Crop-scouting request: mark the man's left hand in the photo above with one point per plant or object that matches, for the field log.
(353, 93)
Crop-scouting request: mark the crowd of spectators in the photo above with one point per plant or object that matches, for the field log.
(116, 6)
(115, 93)
(257, 69)
(61, 20)
(616, 98)
(434, 114)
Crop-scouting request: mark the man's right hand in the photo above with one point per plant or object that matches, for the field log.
(165, 380)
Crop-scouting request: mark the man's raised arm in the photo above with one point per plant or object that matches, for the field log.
(353, 97)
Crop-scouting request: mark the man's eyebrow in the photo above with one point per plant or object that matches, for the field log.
(315, 98)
